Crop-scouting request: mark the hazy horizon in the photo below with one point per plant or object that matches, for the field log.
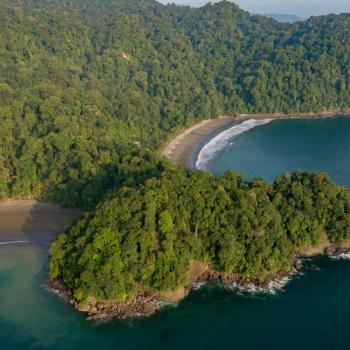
(301, 8)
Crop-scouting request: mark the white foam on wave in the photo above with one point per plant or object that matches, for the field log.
(278, 285)
(342, 256)
(273, 287)
(198, 285)
(22, 242)
(224, 139)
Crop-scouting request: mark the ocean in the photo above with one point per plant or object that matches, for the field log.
(269, 148)
(311, 311)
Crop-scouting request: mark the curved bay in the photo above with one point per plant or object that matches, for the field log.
(288, 145)
(312, 312)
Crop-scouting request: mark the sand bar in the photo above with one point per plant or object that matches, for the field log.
(29, 220)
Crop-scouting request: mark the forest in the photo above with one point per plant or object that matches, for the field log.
(82, 83)
(90, 90)
(146, 237)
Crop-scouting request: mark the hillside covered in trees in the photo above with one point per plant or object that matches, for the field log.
(89, 91)
(147, 237)
(82, 82)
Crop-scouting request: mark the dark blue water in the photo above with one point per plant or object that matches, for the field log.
(312, 312)
(288, 145)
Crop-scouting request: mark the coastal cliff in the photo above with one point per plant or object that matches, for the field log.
(148, 302)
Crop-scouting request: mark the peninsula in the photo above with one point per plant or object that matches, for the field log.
(146, 246)
(91, 90)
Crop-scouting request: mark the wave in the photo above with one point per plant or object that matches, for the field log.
(273, 287)
(342, 256)
(224, 139)
(198, 285)
(22, 242)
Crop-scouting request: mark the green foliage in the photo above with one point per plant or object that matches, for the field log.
(87, 86)
(81, 81)
(148, 235)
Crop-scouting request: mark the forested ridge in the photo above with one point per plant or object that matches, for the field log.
(89, 91)
(80, 81)
(146, 237)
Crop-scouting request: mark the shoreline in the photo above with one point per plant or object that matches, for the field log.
(32, 222)
(184, 148)
(147, 302)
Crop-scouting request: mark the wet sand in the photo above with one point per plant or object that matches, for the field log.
(29, 220)
(181, 150)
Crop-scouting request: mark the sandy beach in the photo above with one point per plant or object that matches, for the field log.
(181, 149)
(29, 220)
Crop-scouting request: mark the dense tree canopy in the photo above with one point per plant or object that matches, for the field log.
(90, 89)
(147, 236)
(80, 78)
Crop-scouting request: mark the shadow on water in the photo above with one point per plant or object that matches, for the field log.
(32, 221)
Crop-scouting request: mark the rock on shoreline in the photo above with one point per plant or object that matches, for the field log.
(144, 304)
(147, 302)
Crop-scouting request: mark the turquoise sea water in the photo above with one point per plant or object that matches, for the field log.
(311, 312)
(283, 146)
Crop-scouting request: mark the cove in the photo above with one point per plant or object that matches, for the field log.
(311, 312)
(282, 146)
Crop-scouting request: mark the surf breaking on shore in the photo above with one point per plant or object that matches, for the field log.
(224, 139)
(5, 243)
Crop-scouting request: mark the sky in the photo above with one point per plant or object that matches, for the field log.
(302, 8)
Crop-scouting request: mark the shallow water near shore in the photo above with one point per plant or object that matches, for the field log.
(313, 311)
(282, 146)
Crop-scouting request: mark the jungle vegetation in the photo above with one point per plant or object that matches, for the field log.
(89, 91)
(147, 236)
(82, 82)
